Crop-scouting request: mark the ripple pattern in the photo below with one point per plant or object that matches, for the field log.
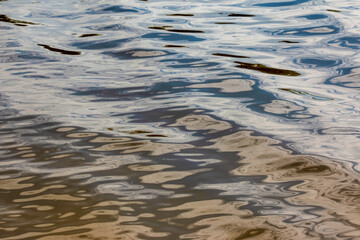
(179, 120)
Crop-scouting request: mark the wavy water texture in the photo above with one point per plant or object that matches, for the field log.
(63, 182)
(179, 119)
(169, 45)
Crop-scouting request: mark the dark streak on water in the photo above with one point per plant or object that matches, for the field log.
(135, 120)
(62, 51)
(180, 14)
(228, 55)
(264, 69)
(240, 15)
(89, 35)
(4, 18)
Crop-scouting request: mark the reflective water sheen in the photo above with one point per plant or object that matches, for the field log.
(192, 119)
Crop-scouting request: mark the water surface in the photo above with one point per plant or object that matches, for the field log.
(179, 120)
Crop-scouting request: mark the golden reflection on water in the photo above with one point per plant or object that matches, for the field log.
(10, 184)
(232, 186)
(321, 182)
(168, 176)
(228, 85)
(201, 122)
(154, 148)
(220, 220)
(281, 107)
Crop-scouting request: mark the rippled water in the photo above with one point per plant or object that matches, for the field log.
(179, 119)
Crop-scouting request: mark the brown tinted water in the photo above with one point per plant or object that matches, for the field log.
(179, 120)
(63, 182)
